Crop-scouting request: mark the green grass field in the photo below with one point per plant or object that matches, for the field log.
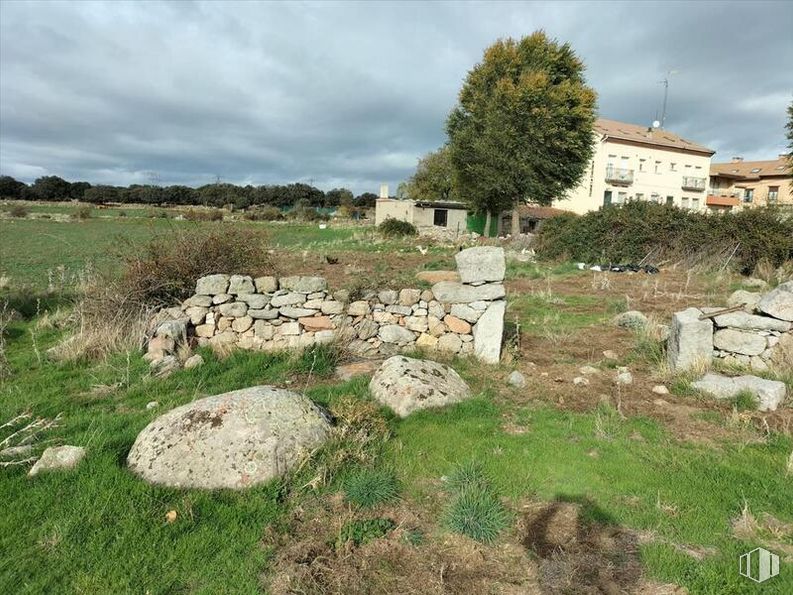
(99, 529)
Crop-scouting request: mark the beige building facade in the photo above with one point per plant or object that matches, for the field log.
(422, 213)
(634, 162)
(743, 184)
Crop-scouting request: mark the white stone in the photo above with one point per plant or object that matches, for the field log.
(690, 341)
(287, 299)
(748, 299)
(393, 333)
(257, 301)
(581, 381)
(489, 333)
(266, 284)
(416, 323)
(481, 263)
(388, 296)
(466, 313)
(517, 379)
(660, 389)
(450, 343)
(57, 458)
(451, 292)
(212, 285)
(769, 393)
(332, 307)
(194, 361)
(240, 284)
(407, 385)
(233, 440)
(291, 312)
(234, 309)
(263, 314)
(735, 341)
(750, 322)
(304, 284)
(778, 302)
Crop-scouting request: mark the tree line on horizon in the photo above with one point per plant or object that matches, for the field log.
(55, 188)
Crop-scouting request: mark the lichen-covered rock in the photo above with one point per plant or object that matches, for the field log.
(735, 341)
(57, 458)
(690, 340)
(266, 284)
(456, 293)
(482, 263)
(239, 284)
(393, 333)
(287, 299)
(768, 393)
(632, 319)
(745, 321)
(212, 285)
(233, 440)
(778, 302)
(406, 385)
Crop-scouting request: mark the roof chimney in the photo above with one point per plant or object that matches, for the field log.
(737, 159)
(383, 190)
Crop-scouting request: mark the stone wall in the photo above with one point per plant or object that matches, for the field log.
(758, 336)
(464, 317)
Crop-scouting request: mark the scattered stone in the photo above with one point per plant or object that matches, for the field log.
(393, 333)
(581, 381)
(517, 379)
(754, 283)
(160, 346)
(233, 440)
(239, 284)
(690, 341)
(58, 458)
(586, 370)
(194, 361)
(212, 285)
(632, 319)
(769, 393)
(164, 366)
(172, 329)
(482, 263)
(737, 341)
(778, 302)
(407, 385)
(489, 332)
(660, 389)
(611, 355)
(16, 452)
(624, 377)
(152, 405)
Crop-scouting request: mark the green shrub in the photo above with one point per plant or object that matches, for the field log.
(640, 230)
(370, 487)
(204, 215)
(364, 531)
(83, 213)
(475, 509)
(307, 213)
(19, 211)
(266, 213)
(392, 228)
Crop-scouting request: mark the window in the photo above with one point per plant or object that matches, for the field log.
(688, 166)
(695, 204)
(670, 200)
(748, 194)
(641, 164)
(673, 167)
(697, 167)
(639, 196)
(655, 197)
(622, 198)
(684, 202)
(440, 217)
(658, 167)
(773, 194)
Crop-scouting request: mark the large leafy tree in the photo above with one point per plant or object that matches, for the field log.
(523, 128)
(790, 140)
(434, 179)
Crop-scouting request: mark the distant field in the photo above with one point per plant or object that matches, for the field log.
(32, 249)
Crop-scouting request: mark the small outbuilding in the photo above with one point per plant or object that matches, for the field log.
(421, 213)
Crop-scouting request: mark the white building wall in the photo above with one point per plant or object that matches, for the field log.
(649, 182)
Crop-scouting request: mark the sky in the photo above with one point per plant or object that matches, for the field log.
(352, 94)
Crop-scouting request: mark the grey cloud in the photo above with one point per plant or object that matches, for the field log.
(350, 93)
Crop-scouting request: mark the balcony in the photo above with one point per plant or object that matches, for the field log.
(619, 175)
(690, 183)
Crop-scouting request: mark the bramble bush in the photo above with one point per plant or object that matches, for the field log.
(392, 228)
(662, 233)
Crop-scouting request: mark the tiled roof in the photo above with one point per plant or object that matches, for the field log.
(752, 169)
(641, 134)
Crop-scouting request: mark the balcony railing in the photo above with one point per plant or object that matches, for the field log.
(619, 175)
(690, 183)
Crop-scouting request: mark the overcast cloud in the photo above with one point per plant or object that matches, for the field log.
(351, 94)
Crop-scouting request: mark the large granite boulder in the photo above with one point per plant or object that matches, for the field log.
(768, 393)
(489, 333)
(690, 341)
(232, 440)
(482, 263)
(778, 302)
(406, 385)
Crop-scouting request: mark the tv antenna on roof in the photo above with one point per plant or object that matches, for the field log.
(665, 83)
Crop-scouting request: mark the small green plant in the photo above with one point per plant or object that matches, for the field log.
(320, 359)
(19, 211)
(475, 509)
(369, 487)
(745, 401)
(364, 531)
(83, 213)
(394, 228)
(413, 537)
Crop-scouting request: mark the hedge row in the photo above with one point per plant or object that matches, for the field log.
(660, 233)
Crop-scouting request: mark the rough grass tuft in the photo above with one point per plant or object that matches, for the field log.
(369, 487)
(475, 509)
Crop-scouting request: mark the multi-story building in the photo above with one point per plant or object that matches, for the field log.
(634, 162)
(743, 184)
